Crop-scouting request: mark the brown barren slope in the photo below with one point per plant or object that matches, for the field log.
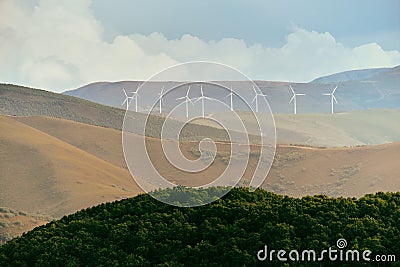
(43, 174)
(104, 143)
(54, 167)
(296, 170)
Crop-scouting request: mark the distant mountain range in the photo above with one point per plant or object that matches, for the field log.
(357, 90)
(376, 126)
(351, 75)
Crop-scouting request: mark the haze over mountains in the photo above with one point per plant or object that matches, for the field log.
(357, 90)
(323, 130)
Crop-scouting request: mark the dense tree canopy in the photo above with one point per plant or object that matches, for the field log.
(229, 232)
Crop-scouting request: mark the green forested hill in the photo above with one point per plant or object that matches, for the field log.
(144, 232)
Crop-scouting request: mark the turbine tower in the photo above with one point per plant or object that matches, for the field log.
(256, 98)
(231, 98)
(202, 97)
(135, 96)
(294, 99)
(187, 100)
(128, 99)
(160, 98)
(333, 98)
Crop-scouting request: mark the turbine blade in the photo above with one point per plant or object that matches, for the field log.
(300, 94)
(326, 94)
(292, 99)
(124, 92)
(179, 98)
(254, 98)
(334, 89)
(195, 100)
(291, 88)
(334, 98)
(228, 95)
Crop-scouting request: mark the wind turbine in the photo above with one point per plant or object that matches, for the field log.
(294, 99)
(127, 100)
(135, 96)
(187, 100)
(256, 98)
(231, 98)
(160, 98)
(333, 98)
(202, 97)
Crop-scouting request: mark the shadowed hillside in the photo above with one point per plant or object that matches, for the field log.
(22, 101)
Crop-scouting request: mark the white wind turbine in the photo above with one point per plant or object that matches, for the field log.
(187, 100)
(294, 99)
(127, 100)
(202, 97)
(256, 98)
(135, 96)
(231, 98)
(160, 98)
(333, 98)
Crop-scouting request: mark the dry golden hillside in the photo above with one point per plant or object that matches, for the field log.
(54, 167)
(41, 173)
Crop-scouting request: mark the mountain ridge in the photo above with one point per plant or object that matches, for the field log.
(350, 75)
(378, 89)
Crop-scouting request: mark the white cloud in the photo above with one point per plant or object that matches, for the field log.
(59, 45)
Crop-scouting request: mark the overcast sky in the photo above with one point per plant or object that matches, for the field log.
(59, 45)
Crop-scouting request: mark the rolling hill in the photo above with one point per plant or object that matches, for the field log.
(22, 101)
(351, 75)
(53, 165)
(356, 128)
(342, 129)
(43, 174)
(229, 232)
(63, 166)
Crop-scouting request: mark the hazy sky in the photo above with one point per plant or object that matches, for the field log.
(59, 45)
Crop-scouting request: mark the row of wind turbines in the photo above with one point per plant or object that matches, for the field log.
(187, 99)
